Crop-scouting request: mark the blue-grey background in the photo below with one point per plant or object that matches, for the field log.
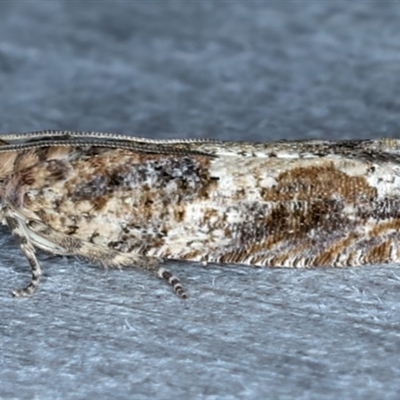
(224, 69)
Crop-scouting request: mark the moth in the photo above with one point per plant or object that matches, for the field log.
(126, 201)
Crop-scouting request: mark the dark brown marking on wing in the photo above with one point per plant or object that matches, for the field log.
(319, 182)
(328, 256)
(152, 172)
(378, 252)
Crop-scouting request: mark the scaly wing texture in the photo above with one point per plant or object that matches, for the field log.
(298, 204)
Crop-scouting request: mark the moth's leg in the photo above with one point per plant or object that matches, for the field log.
(163, 273)
(150, 264)
(173, 281)
(29, 252)
(108, 257)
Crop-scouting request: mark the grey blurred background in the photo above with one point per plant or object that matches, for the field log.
(237, 70)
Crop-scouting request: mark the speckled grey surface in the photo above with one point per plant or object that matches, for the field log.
(229, 70)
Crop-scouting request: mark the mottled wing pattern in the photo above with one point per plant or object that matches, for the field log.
(131, 201)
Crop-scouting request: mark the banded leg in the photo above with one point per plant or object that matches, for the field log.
(106, 256)
(29, 252)
(173, 281)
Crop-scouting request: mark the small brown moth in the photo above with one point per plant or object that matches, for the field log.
(126, 201)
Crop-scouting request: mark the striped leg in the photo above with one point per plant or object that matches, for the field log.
(29, 252)
(173, 281)
(60, 243)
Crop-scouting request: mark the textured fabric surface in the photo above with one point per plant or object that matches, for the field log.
(228, 70)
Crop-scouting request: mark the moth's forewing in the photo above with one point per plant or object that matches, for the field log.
(281, 204)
